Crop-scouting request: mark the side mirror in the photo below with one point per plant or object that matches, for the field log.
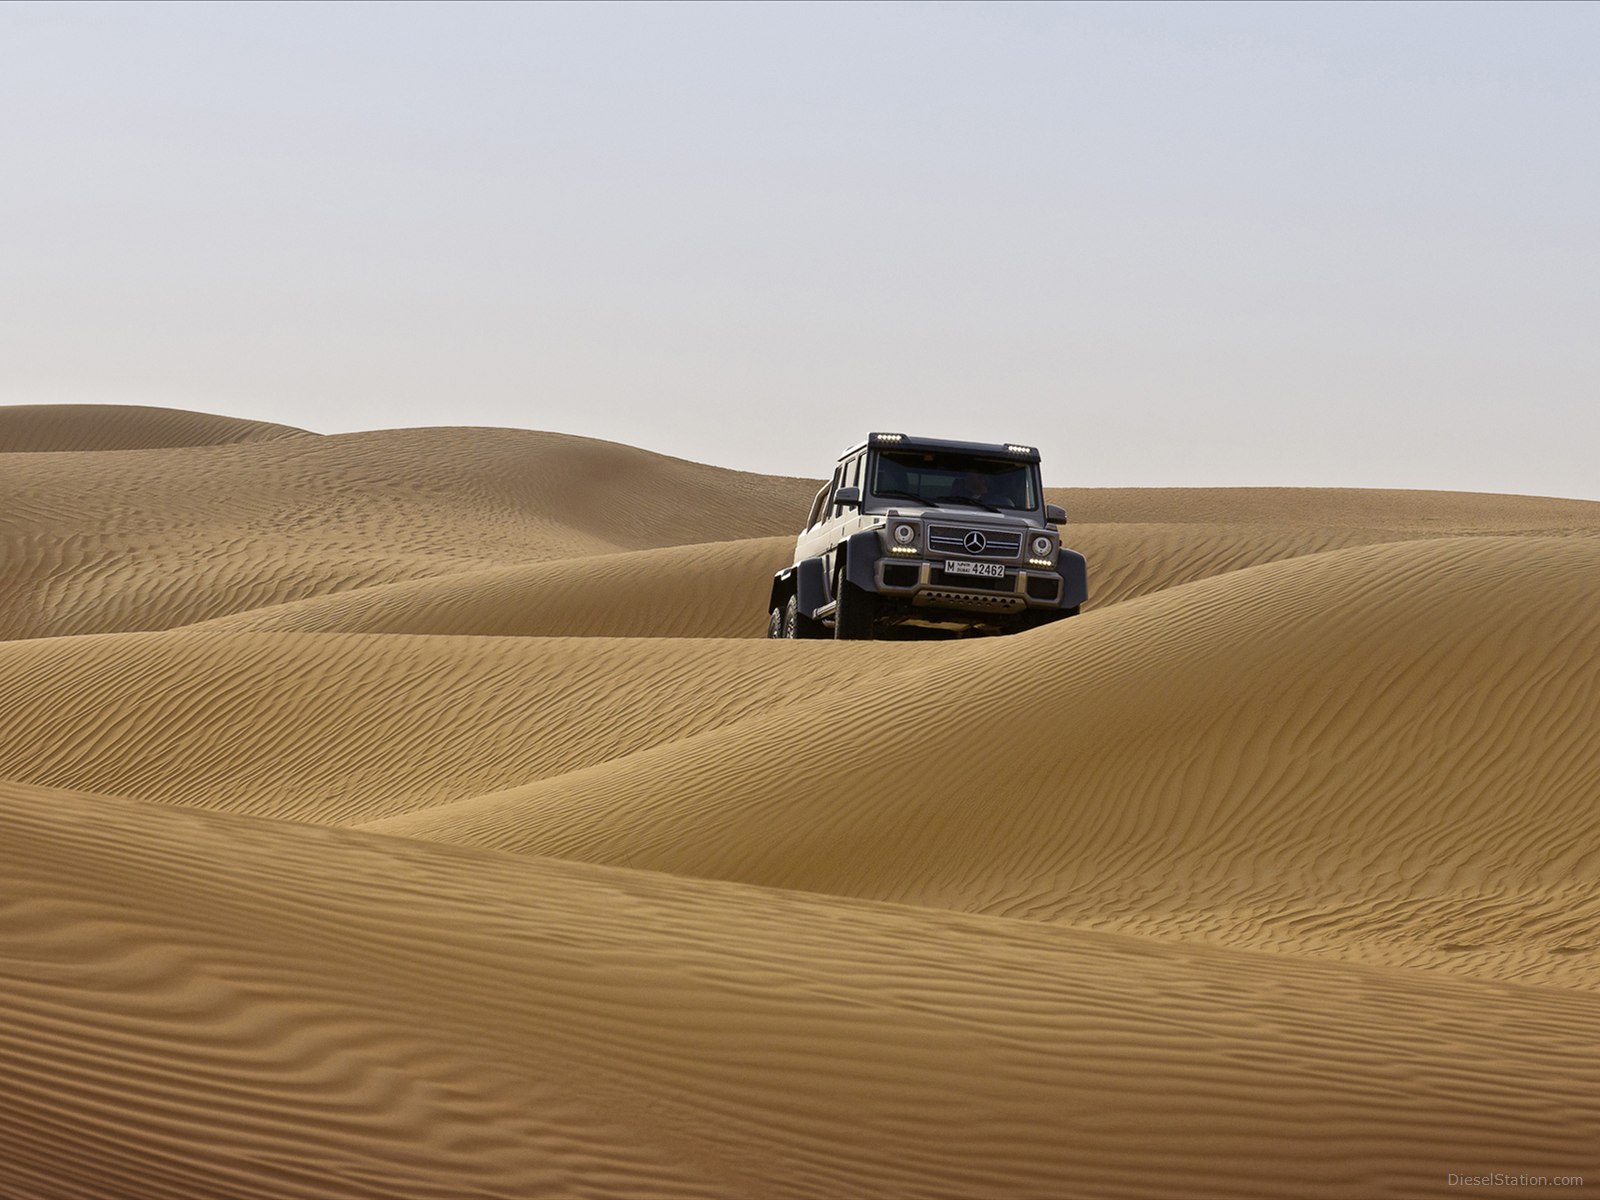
(848, 498)
(1055, 514)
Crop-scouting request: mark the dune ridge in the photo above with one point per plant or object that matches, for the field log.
(714, 590)
(54, 428)
(1394, 509)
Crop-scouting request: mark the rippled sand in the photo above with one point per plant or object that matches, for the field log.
(422, 813)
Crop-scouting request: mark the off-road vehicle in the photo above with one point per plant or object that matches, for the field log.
(922, 534)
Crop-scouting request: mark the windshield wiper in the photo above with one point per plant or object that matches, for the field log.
(910, 496)
(970, 500)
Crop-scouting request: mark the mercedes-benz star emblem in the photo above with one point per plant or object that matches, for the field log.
(975, 542)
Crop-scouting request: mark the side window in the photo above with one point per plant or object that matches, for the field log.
(849, 475)
(832, 487)
(816, 507)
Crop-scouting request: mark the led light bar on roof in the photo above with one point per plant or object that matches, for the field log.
(888, 437)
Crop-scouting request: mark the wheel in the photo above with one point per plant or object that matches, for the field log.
(856, 612)
(797, 626)
(775, 623)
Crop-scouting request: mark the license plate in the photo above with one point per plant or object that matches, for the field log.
(954, 566)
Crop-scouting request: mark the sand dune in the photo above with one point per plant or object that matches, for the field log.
(202, 1005)
(721, 590)
(1388, 752)
(138, 541)
(1142, 540)
(339, 728)
(135, 540)
(717, 590)
(46, 428)
(421, 813)
(1137, 560)
(1391, 511)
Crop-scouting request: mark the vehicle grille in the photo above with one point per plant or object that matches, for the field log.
(951, 539)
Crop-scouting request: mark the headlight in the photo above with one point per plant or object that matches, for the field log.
(905, 534)
(1041, 546)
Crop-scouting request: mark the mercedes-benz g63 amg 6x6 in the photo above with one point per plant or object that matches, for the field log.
(922, 534)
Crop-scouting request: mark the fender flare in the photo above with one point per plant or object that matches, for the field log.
(1074, 571)
(861, 553)
(811, 586)
(782, 589)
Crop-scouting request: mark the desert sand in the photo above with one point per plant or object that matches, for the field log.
(423, 813)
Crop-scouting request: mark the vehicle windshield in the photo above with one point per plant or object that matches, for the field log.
(944, 479)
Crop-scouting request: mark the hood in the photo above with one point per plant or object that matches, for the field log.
(962, 514)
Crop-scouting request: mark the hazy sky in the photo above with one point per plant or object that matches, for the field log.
(1171, 244)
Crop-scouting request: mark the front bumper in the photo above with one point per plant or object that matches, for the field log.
(924, 583)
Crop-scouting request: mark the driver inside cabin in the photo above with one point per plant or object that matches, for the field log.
(989, 490)
(974, 486)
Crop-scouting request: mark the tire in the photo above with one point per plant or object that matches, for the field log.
(856, 613)
(797, 626)
(775, 624)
